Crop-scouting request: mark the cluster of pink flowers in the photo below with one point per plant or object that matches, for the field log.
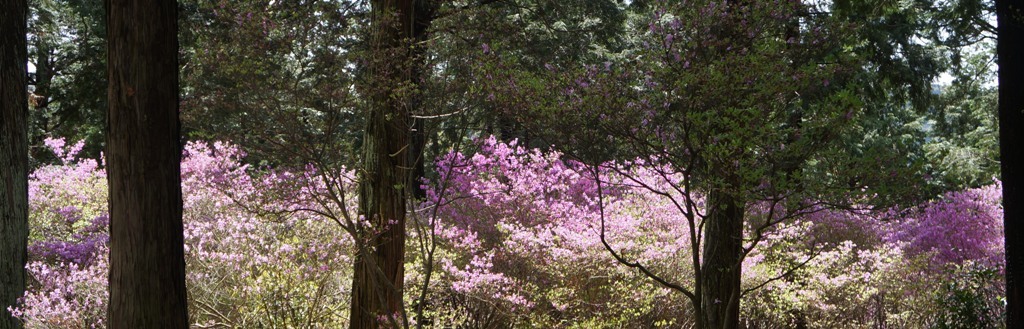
(520, 239)
(958, 227)
(524, 230)
(251, 252)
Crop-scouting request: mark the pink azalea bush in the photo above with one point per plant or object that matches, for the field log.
(936, 265)
(518, 234)
(67, 243)
(959, 227)
(522, 231)
(254, 259)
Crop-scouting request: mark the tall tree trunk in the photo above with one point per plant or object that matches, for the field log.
(378, 280)
(1011, 115)
(147, 263)
(419, 144)
(13, 157)
(720, 268)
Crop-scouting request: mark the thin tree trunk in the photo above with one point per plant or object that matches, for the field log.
(147, 263)
(1009, 52)
(720, 268)
(419, 144)
(13, 157)
(44, 73)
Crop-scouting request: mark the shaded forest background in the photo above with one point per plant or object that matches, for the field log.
(516, 163)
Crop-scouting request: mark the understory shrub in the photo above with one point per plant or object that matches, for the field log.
(521, 233)
(510, 237)
(253, 259)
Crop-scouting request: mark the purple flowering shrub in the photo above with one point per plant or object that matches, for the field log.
(519, 242)
(68, 203)
(67, 243)
(905, 268)
(521, 229)
(66, 295)
(254, 259)
(959, 227)
(933, 265)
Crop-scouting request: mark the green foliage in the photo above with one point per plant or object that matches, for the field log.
(973, 298)
(270, 78)
(939, 138)
(831, 101)
(67, 47)
(961, 143)
(560, 33)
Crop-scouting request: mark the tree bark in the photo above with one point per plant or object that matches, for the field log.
(377, 295)
(1010, 16)
(378, 280)
(13, 157)
(147, 263)
(720, 268)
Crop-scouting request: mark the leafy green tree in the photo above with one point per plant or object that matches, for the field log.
(268, 77)
(961, 141)
(533, 34)
(688, 91)
(912, 128)
(291, 93)
(67, 49)
(730, 98)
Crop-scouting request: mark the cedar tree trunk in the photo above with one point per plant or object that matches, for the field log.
(1010, 16)
(423, 16)
(13, 157)
(720, 268)
(147, 263)
(723, 229)
(379, 276)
